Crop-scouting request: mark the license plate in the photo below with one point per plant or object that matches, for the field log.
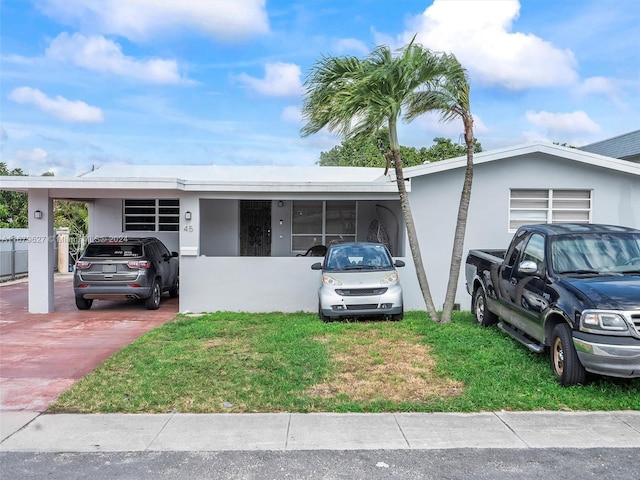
(108, 269)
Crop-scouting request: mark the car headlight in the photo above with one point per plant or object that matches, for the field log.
(602, 322)
(389, 279)
(331, 281)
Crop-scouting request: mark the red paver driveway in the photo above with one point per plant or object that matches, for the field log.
(42, 355)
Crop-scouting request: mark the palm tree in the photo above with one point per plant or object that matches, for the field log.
(452, 100)
(357, 97)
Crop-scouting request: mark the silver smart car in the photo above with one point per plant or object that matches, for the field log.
(359, 279)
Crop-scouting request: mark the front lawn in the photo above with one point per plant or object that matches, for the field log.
(229, 362)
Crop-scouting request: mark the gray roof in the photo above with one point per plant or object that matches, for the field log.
(623, 146)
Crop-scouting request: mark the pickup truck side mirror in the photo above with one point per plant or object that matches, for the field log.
(528, 267)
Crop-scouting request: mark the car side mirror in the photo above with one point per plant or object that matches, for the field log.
(529, 267)
(399, 263)
(174, 254)
(316, 266)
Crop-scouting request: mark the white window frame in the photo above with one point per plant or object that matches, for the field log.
(552, 205)
(163, 221)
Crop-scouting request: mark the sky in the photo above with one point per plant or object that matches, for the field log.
(87, 83)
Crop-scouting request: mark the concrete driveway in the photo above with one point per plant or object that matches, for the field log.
(42, 355)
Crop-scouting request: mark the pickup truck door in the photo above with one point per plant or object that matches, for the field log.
(524, 290)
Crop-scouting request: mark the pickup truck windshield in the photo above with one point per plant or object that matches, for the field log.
(596, 253)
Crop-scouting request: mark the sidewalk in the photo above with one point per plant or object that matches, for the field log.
(33, 432)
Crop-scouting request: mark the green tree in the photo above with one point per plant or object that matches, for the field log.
(74, 216)
(13, 205)
(369, 152)
(357, 97)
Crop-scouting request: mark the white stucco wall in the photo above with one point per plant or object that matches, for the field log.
(434, 202)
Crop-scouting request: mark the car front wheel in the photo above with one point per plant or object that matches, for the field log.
(323, 317)
(564, 358)
(153, 302)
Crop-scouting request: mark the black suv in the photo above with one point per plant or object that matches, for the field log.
(125, 269)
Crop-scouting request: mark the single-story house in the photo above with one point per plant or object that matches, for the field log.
(239, 230)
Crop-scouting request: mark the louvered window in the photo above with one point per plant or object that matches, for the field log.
(151, 215)
(527, 206)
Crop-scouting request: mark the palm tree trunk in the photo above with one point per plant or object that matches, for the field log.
(413, 238)
(461, 224)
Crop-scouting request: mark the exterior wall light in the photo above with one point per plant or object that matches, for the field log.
(37, 214)
(280, 203)
(187, 215)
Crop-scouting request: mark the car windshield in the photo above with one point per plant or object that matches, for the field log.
(358, 257)
(113, 250)
(596, 253)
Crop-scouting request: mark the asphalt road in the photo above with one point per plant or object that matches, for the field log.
(483, 464)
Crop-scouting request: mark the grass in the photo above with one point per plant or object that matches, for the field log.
(229, 362)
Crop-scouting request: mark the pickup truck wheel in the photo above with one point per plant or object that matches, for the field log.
(564, 359)
(153, 302)
(483, 316)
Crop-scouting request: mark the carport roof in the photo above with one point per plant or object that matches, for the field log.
(216, 178)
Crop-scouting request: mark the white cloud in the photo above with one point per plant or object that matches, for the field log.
(36, 156)
(59, 107)
(608, 88)
(351, 45)
(291, 114)
(281, 80)
(146, 19)
(479, 34)
(577, 121)
(103, 55)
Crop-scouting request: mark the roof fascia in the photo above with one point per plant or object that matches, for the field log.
(543, 148)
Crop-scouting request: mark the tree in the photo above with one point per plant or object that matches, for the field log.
(369, 152)
(452, 100)
(357, 97)
(13, 205)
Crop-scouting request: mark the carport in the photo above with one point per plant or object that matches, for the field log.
(42, 191)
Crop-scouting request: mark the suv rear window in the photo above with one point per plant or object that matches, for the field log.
(115, 250)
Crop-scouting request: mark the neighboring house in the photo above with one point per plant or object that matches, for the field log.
(239, 229)
(624, 147)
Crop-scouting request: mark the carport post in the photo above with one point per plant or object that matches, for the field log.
(41, 259)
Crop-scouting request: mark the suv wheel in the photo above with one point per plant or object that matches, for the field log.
(174, 291)
(153, 302)
(83, 304)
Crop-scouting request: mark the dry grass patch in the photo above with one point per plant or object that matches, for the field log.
(368, 367)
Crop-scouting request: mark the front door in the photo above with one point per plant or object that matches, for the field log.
(255, 228)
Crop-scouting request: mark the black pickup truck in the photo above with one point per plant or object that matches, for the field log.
(574, 288)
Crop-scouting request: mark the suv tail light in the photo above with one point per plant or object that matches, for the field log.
(81, 265)
(139, 264)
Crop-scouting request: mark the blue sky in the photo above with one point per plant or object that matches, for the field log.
(85, 83)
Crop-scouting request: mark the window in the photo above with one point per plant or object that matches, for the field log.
(528, 206)
(317, 222)
(152, 215)
(535, 250)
